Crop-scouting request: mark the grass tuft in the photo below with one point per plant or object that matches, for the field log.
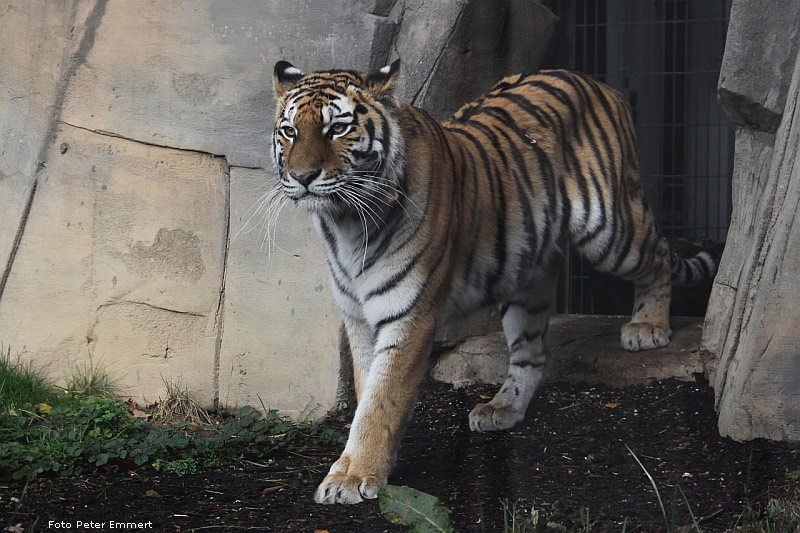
(21, 384)
(178, 407)
(516, 520)
(90, 380)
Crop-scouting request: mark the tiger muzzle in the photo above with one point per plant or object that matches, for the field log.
(306, 177)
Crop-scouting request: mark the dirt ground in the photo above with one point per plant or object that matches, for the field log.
(569, 453)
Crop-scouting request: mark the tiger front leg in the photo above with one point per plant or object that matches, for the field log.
(525, 325)
(385, 403)
(362, 349)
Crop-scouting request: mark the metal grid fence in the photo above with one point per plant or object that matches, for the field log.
(664, 55)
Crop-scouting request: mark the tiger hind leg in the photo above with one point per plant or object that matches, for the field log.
(649, 325)
(525, 325)
(632, 249)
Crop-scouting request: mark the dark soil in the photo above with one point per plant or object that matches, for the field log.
(569, 453)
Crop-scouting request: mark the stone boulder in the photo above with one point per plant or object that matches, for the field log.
(751, 339)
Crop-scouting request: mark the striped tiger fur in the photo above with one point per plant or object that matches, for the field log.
(423, 221)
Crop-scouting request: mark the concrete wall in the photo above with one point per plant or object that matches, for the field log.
(133, 157)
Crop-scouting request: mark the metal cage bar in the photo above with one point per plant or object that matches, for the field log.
(664, 55)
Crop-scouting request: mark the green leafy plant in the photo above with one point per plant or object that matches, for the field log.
(79, 433)
(181, 467)
(516, 520)
(417, 511)
(86, 426)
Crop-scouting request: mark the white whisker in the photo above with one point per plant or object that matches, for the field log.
(263, 200)
(356, 202)
(375, 184)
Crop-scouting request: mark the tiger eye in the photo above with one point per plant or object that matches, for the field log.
(338, 128)
(288, 132)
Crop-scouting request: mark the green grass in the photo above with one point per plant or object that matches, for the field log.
(91, 380)
(84, 426)
(21, 384)
(776, 515)
(89, 432)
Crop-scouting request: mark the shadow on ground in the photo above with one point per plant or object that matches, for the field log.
(569, 453)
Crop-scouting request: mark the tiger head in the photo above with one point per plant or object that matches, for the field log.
(337, 142)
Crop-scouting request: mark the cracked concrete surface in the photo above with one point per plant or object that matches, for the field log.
(121, 258)
(135, 147)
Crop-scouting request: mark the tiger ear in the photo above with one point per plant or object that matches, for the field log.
(285, 77)
(381, 81)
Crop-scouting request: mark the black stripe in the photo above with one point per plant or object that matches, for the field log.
(548, 179)
(386, 235)
(556, 92)
(498, 202)
(331, 240)
(341, 286)
(643, 251)
(476, 223)
(428, 123)
(523, 337)
(535, 111)
(392, 282)
(703, 266)
(526, 306)
(370, 127)
(437, 262)
(603, 213)
(388, 347)
(627, 229)
(386, 134)
(521, 171)
(590, 107)
(484, 158)
(566, 215)
(500, 250)
(401, 314)
(527, 364)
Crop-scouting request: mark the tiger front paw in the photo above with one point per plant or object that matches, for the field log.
(487, 417)
(347, 489)
(643, 336)
(347, 485)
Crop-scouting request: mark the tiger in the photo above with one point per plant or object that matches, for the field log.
(423, 221)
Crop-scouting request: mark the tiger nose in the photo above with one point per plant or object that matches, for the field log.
(306, 177)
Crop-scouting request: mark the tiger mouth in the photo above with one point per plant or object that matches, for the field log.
(318, 202)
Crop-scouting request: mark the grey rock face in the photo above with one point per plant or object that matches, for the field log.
(750, 341)
(134, 153)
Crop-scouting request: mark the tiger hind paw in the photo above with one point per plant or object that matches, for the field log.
(487, 417)
(643, 336)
